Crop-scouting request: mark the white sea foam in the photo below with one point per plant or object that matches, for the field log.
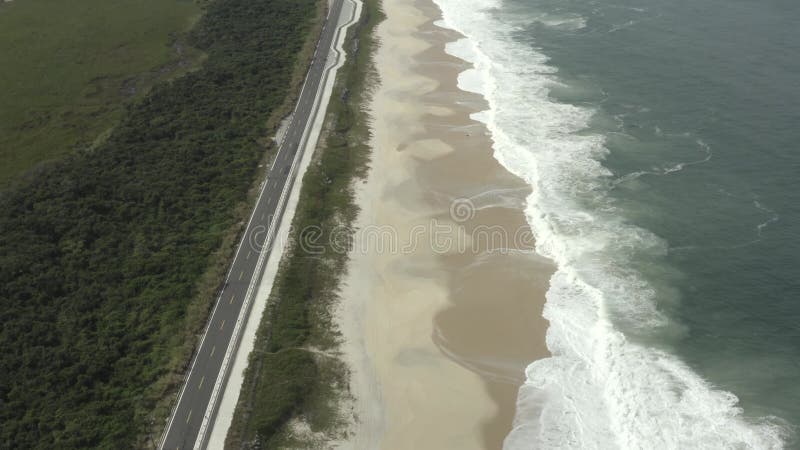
(600, 389)
(563, 22)
(672, 168)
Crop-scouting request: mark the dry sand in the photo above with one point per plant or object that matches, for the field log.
(440, 328)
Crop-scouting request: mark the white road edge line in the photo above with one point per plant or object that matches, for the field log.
(244, 239)
(291, 188)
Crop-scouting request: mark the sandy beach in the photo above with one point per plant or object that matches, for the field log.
(441, 312)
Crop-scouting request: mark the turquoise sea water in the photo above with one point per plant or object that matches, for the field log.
(662, 140)
(728, 74)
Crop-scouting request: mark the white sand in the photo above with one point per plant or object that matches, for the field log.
(437, 341)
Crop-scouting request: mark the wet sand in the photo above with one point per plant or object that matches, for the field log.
(440, 320)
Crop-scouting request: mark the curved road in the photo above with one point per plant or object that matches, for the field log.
(191, 415)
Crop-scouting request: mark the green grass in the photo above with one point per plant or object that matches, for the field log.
(286, 380)
(69, 66)
(298, 320)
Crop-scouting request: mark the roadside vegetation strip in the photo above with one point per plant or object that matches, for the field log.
(70, 67)
(110, 258)
(294, 375)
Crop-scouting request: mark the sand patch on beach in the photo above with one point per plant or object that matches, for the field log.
(440, 320)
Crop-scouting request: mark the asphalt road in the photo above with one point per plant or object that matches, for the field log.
(187, 416)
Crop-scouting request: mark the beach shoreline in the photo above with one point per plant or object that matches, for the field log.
(437, 337)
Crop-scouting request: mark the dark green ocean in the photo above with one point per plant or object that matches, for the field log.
(662, 141)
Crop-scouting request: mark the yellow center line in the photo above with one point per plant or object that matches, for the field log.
(189, 416)
(232, 298)
(222, 325)
(212, 351)
(199, 386)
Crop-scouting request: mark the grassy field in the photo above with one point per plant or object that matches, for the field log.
(294, 373)
(69, 66)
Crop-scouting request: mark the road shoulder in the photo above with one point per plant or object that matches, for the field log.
(282, 248)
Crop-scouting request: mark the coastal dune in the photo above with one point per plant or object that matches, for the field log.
(441, 306)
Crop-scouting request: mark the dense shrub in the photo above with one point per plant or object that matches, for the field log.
(101, 253)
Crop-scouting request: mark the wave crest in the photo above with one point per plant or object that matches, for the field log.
(602, 388)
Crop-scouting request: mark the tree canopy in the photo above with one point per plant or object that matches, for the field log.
(101, 252)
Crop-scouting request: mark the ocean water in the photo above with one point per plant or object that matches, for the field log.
(662, 141)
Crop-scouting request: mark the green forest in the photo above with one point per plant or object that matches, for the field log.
(102, 254)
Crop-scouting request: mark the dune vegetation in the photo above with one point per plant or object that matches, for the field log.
(294, 374)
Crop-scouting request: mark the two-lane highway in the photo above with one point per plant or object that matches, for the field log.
(198, 398)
